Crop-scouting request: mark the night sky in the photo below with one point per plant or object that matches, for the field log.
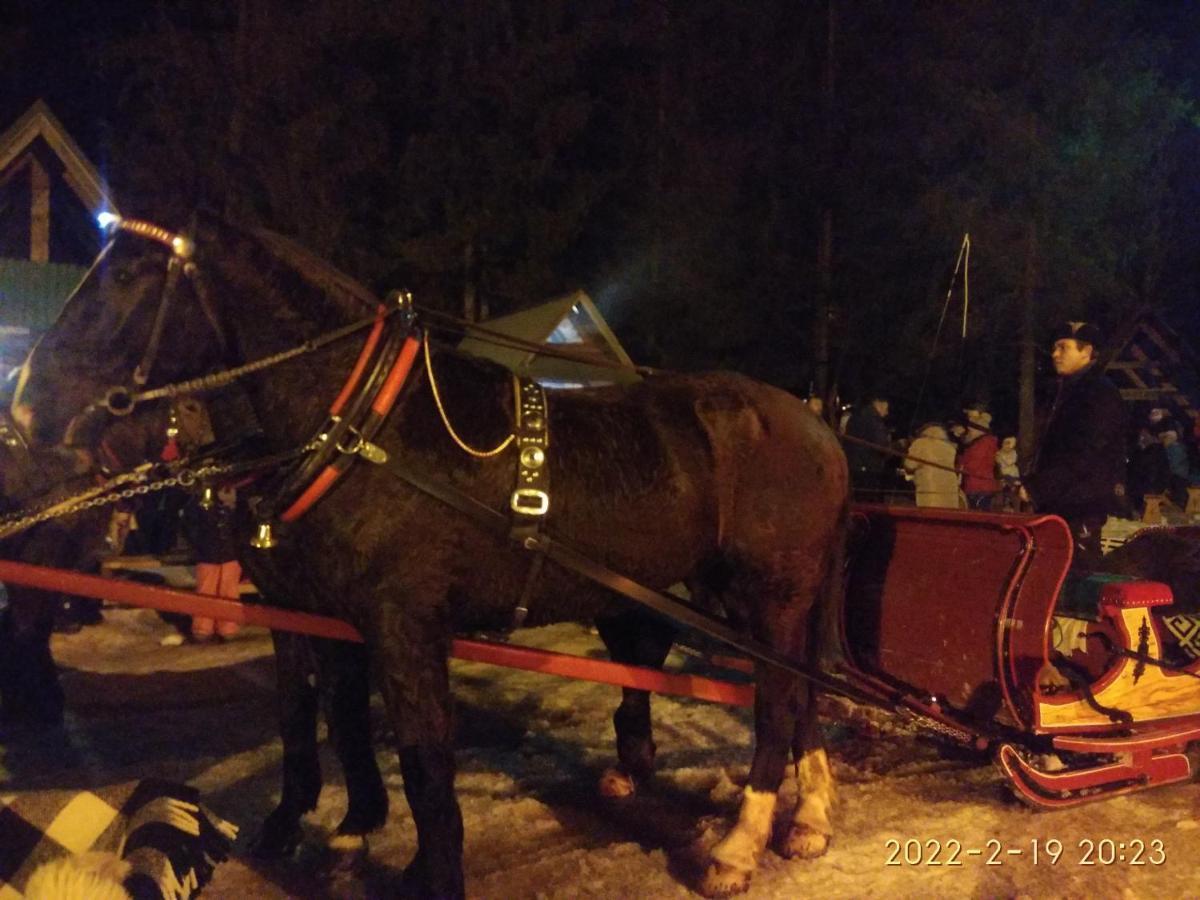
(680, 161)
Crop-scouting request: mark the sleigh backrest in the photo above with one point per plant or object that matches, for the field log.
(954, 607)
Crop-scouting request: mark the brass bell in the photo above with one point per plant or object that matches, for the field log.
(263, 538)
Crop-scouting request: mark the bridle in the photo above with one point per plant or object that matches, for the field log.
(120, 399)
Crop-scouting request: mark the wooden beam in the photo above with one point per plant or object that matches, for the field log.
(1163, 345)
(1137, 379)
(1147, 393)
(1130, 365)
(39, 212)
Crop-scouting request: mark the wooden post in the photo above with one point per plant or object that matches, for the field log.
(1152, 515)
(1193, 503)
(39, 212)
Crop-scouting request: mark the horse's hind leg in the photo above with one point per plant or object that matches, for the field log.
(641, 640)
(736, 856)
(781, 610)
(811, 827)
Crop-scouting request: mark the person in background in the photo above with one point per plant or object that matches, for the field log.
(1079, 469)
(868, 424)
(1178, 468)
(977, 458)
(208, 524)
(1149, 472)
(1008, 470)
(930, 464)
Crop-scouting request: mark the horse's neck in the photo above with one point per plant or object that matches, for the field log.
(291, 398)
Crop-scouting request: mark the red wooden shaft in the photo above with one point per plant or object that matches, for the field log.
(509, 655)
(174, 600)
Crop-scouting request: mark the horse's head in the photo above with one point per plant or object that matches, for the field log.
(159, 307)
(138, 316)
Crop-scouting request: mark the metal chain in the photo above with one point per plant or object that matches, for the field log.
(56, 501)
(86, 500)
(463, 445)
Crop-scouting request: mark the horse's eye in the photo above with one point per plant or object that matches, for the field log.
(122, 276)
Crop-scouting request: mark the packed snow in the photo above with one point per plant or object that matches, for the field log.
(531, 748)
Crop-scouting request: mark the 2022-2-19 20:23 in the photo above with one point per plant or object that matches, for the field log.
(1033, 851)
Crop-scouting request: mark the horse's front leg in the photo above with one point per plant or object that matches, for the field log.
(635, 639)
(297, 698)
(411, 648)
(30, 693)
(346, 695)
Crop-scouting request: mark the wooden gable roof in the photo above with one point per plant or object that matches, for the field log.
(1154, 366)
(78, 173)
(49, 196)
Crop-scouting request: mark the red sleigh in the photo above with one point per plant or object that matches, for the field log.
(970, 621)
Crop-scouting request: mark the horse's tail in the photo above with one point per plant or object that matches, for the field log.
(825, 636)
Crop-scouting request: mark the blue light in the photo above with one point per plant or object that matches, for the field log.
(107, 220)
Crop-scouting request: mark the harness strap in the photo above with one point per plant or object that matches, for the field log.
(355, 416)
(141, 374)
(530, 501)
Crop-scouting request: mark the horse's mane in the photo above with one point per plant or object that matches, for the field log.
(348, 293)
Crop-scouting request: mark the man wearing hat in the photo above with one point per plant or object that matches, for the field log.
(1079, 468)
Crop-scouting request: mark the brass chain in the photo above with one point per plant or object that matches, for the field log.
(463, 445)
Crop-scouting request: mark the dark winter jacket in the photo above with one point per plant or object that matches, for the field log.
(1081, 457)
(1149, 472)
(867, 425)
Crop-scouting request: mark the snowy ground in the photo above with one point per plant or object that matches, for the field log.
(531, 747)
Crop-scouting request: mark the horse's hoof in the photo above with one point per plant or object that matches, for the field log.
(721, 880)
(804, 842)
(364, 819)
(275, 842)
(347, 852)
(617, 785)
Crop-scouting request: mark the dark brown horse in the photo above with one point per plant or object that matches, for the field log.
(29, 690)
(725, 484)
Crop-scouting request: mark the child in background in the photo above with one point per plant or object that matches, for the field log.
(1009, 473)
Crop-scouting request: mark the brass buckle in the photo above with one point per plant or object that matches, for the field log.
(530, 502)
(372, 453)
